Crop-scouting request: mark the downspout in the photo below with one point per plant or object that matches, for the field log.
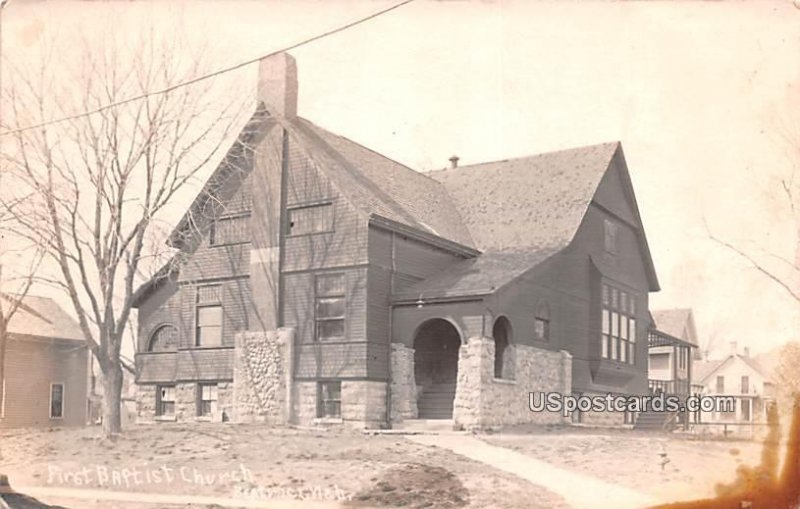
(389, 350)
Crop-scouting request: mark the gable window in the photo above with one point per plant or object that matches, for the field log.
(206, 399)
(329, 307)
(611, 231)
(56, 401)
(308, 219)
(541, 326)
(230, 230)
(745, 384)
(329, 399)
(164, 339)
(165, 400)
(720, 384)
(208, 329)
(618, 327)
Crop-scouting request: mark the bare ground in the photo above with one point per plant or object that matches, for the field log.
(669, 467)
(255, 461)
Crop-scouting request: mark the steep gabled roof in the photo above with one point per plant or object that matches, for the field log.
(41, 317)
(703, 370)
(678, 323)
(383, 187)
(531, 202)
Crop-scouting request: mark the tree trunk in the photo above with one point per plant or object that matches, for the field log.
(3, 344)
(112, 399)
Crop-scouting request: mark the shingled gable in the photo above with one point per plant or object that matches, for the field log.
(522, 211)
(678, 323)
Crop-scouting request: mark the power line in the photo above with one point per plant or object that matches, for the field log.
(209, 75)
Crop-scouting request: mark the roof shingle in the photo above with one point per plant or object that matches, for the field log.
(41, 317)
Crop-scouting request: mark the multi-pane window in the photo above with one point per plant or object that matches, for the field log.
(611, 231)
(164, 339)
(310, 219)
(56, 401)
(329, 399)
(208, 329)
(230, 230)
(165, 400)
(206, 399)
(329, 307)
(618, 328)
(720, 384)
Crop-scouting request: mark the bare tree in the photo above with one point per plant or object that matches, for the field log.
(98, 186)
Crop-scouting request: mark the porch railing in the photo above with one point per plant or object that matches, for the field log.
(669, 386)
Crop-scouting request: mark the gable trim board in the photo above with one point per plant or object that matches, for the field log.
(724, 362)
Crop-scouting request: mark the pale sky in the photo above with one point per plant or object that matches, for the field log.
(703, 97)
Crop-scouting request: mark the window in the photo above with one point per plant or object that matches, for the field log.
(209, 316)
(504, 359)
(310, 219)
(745, 384)
(56, 401)
(206, 399)
(230, 230)
(720, 384)
(165, 400)
(610, 229)
(329, 399)
(164, 339)
(541, 327)
(329, 306)
(618, 325)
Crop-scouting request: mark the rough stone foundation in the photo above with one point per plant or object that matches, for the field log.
(485, 402)
(404, 390)
(363, 404)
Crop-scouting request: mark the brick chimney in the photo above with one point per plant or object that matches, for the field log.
(277, 85)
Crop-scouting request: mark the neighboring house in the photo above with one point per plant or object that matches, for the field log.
(672, 341)
(739, 376)
(319, 281)
(46, 368)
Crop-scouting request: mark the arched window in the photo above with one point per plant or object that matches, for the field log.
(163, 339)
(541, 328)
(503, 351)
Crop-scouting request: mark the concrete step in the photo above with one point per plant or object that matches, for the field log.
(425, 425)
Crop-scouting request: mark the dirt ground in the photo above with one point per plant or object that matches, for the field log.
(252, 461)
(670, 467)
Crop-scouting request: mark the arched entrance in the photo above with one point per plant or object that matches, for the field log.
(436, 347)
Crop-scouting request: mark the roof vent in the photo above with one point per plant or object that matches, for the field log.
(454, 162)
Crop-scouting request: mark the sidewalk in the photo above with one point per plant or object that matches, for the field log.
(580, 491)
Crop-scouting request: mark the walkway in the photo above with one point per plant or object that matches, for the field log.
(580, 491)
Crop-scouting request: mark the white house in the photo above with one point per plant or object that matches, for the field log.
(743, 378)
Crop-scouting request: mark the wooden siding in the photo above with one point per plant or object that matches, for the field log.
(395, 263)
(205, 364)
(570, 285)
(31, 366)
(156, 367)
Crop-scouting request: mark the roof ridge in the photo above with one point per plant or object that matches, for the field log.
(418, 173)
(530, 156)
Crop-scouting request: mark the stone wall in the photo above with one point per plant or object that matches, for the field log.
(485, 402)
(262, 376)
(403, 389)
(364, 403)
(145, 403)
